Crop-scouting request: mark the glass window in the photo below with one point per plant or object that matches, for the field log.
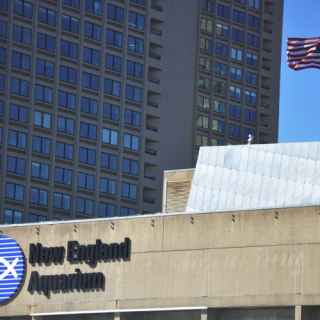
(23, 8)
(115, 13)
(33, 217)
(206, 45)
(45, 68)
(250, 116)
(4, 32)
(223, 11)
(89, 105)
(202, 122)
(17, 139)
(16, 166)
(65, 125)
(42, 119)
(69, 49)
(251, 78)
(41, 145)
(39, 197)
(12, 216)
(90, 81)
(40, 170)
(88, 130)
(71, 3)
(64, 150)
(135, 69)
(220, 88)
(94, 7)
(112, 87)
(132, 118)
(219, 106)
(70, 24)
(134, 93)
(129, 191)
(254, 22)
(250, 97)
(253, 40)
(235, 93)
(107, 210)
(234, 112)
(61, 201)
(87, 155)
(203, 102)
(138, 2)
(131, 142)
(113, 63)
(109, 136)
(46, 42)
(114, 38)
(222, 30)
(67, 100)
(19, 113)
(2, 82)
(251, 59)
(63, 176)
(68, 74)
(108, 186)
(204, 64)
(237, 35)
(254, 4)
(43, 94)
(4, 5)
(135, 44)
(234, 131)
(85, 206)
(3, 56)
(130, 166)
(236, 73)
(239, 16)
(21, 61)
(109, 161)
(20, 87)
(218, 125)
(92, 31)
(111, 112)
(128, 211)
(236, 54)
(15, 191)
(221, 69)
(222, 49)
(136, 20)
(86, 181)
(47, 16)
(92, 56)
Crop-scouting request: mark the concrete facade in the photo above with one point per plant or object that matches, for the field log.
(213, 262)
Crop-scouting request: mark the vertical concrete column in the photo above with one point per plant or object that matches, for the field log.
(298, 313)
(204, 314)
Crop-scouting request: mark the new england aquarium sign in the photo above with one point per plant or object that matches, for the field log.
(13, 266)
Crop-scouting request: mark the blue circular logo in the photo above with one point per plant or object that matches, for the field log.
(12, 268)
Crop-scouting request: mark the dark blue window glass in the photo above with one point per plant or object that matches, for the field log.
(136, 20)
(2, 105)
(115, 13)
(67, 100)
(111, 112)
(23, 8)
(239, 16)
(19, 113)
(223, 11)
(15, 191)
(16, 165)
(64, 150)
(234, 131)
(4, 30)
(3, 56)
(108, 186)
(135, 44)
(88, 131)
(89, 105)
(87, 155)
(45, 68)
(65, 125)
(39, 197)
(61, 201)
(47, 16)
(69, 49)
(131, 142)
(90, 81)
(4, 5)
(85, 206)
(41, 145)
(113, 63)
(92, 56)
(2, 82)
(21, 34)
(19, 87)
(222, 49)
(86, 181)
(72, 3)
(250, 115)
(114, 38)
(17, 139)
(130, 166)
(138, 2)
(135, 69)
(128, 212)
(107, 210)
(129, 191)
(68, 74)
(132, 118)
(46, 42)
(63, 176)
(109, 161)
(235, 112)
(112, 87)
(92, 31)
(21, 61)
(94, 7)
(253, 40)
(254, 22)
(70, 24)
(40, 170)
(134, 94)
(237, 35)
(43, 94)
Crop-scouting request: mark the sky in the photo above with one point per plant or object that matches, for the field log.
(300, 90)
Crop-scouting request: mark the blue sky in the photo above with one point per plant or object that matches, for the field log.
(300, 90)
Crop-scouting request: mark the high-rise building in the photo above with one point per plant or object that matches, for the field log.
(98, 97)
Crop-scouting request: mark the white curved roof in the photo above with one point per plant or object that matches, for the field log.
(256, 177)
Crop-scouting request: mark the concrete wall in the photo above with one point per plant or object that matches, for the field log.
(260, 258)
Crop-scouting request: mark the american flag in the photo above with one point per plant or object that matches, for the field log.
(303, 53)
